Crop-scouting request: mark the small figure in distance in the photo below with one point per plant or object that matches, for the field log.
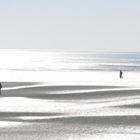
(0, 88)
(121, 74)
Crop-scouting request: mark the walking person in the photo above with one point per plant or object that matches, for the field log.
(121, 74)
(0, 88)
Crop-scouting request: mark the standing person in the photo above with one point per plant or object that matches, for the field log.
(0, 88)
(121, 74)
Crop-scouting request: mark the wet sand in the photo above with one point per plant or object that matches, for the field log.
(36, 112)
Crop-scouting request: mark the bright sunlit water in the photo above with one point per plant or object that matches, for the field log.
(69, 67)
(48, 60)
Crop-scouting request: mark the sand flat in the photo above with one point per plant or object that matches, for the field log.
(39, 112)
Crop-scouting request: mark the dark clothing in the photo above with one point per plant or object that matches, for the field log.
(121, 74)
(0, 88)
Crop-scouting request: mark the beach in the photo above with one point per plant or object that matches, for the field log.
(69, 95)
(40, 110)
(69, 70)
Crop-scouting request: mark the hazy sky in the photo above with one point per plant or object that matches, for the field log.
(70, 24)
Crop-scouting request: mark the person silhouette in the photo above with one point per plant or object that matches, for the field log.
(121, 74)
(0, 88)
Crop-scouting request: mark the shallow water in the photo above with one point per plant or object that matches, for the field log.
(101, 117)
